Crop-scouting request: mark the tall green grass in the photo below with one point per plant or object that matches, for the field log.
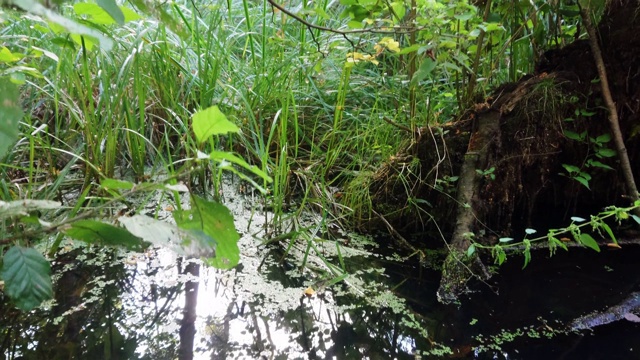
(308, 117)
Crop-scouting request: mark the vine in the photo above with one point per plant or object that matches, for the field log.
(574, 233)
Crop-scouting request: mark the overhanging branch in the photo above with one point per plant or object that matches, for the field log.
(393, 30)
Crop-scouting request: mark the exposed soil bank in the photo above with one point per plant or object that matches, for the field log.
(532, 155)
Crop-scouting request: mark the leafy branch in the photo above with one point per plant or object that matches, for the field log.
(555, 238)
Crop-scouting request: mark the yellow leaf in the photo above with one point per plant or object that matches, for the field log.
(309, 291)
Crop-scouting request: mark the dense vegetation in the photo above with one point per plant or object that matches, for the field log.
(104, 105)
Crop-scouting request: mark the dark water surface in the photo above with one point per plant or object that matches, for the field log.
(114, 305)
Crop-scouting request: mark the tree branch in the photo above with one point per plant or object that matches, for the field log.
(625, 164)
(394, 30)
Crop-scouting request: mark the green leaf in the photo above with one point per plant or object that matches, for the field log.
(6, 56)
(606, 153)
(604, 138)
(211, 121)
(530, 231)
(636, 218)
(598, 164)
(582, 180)
(585, 112)
(571, 168)
(409, 49)
(505, 239)
(10, 115)
(112, 8)
(114, 184)
(578, 219)
(24, 207)
(160, 233)
(554, 242)
(471, 250)
(227, 156)
(607, 229)
(588, 241)
(492, 27)
(214, 222)
(425, 69)
(353, 24)
(93, 231)
(27, 277)
(399, 9)
(573, 136)
(96, 13)
(527, 253)
(499, 255)
(466, 16)
(69, 25)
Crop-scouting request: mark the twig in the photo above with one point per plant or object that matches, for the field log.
(394, 30)
(399, 126)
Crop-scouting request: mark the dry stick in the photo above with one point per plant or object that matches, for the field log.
(632, 190)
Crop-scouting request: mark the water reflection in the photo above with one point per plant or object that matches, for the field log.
(154, 305)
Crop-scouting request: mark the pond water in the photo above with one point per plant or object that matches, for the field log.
(154, 305)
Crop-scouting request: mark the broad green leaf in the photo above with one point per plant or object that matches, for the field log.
(588, 241)
(18, 78)
(353, 24)
(24, 207)
(169, 236)
(214, 223)
(27, 277)
(63, 43)
(425, 69)
(96, 13)
(471, 250)
(211, 121)
(112, 8)
(530, 231)
(6, 56)
(223, 155)
(573, 135)
(116, 184)
(606, 153)
(93, 231)
(491, 27)
(466, 16)
(34, 7)
(582, 180)
(604, 138)
(87, 41)
(505, 239)
(636, 218)
(399, 9)
(598, 164)
(578, 219)
(409, 49)
(10, 115)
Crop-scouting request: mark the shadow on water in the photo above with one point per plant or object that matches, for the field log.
(113, 305)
